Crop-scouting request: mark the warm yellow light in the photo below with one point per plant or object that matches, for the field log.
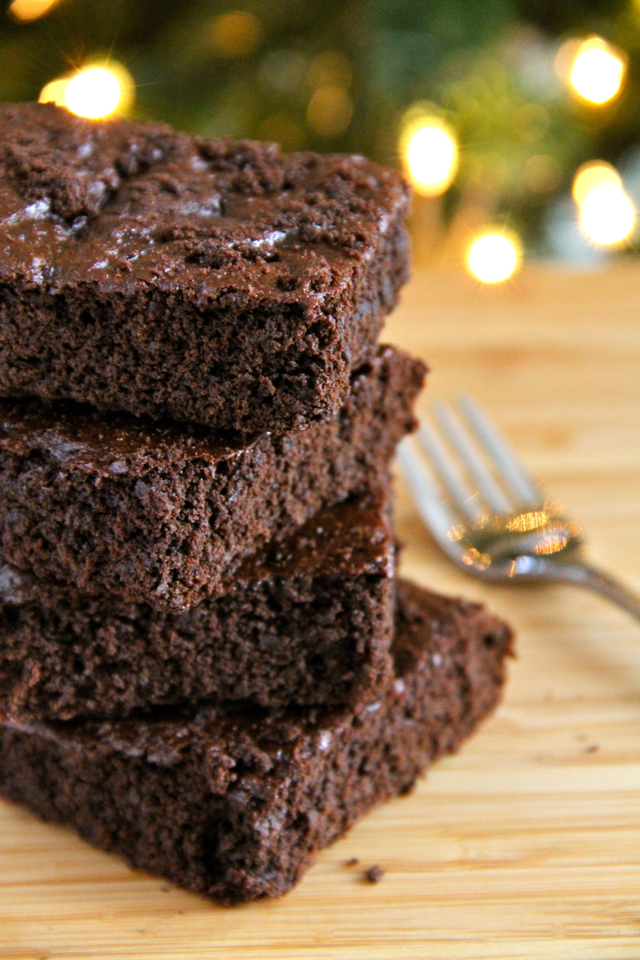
(93, 93)
(594, 174)
(494, 257)
(607, 214)
(26, 10)
(431, 156)
(597, 71)
(54, 92)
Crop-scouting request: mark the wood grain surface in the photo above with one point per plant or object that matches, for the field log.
(527, 843)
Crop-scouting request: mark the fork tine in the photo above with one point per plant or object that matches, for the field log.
(522, 485)
(421, 482)
(462, 496)
(494, 496)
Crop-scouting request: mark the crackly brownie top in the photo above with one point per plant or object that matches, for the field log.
(120, 203)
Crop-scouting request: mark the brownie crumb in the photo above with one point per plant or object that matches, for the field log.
(353, 862)
(374, 874)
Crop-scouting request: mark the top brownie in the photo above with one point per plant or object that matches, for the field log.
(213, 281)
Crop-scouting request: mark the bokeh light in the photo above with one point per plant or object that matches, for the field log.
(93, 92)
(597, 71)
(330, 111)
(595, 173)
(494, 257)
(235, 34)
(27, 10)
(607, 214)
(283, 71)
(330, 68)
(430, 153)
(54, 92)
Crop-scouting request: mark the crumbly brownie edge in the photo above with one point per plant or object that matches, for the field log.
(281, 368)
(309, 622)
(235, 809)
(171, 528)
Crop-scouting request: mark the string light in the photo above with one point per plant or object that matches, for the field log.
(597, 71)
(27, 10)
(494, 257)
(430, 153)
(607, 214)
(93, 92)
(595, 173)
(54, 91)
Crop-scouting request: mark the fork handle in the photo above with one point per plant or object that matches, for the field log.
(584, 575)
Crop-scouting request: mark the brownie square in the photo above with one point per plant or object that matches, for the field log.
(307, 621)
(163, 514)
(233, 805)
(211, 281)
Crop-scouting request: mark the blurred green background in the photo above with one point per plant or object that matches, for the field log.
(340, 75)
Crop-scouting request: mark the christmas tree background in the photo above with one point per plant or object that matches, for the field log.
(340, 75)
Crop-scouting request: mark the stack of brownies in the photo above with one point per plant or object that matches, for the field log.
(207, 663)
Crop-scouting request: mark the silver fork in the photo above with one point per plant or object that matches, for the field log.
(506, 530)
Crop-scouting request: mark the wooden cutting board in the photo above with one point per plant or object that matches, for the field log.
(526, 844)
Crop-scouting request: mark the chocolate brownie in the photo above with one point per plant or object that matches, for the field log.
(218, 282)
(234, 806)
(308, 621)
(163, 513)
